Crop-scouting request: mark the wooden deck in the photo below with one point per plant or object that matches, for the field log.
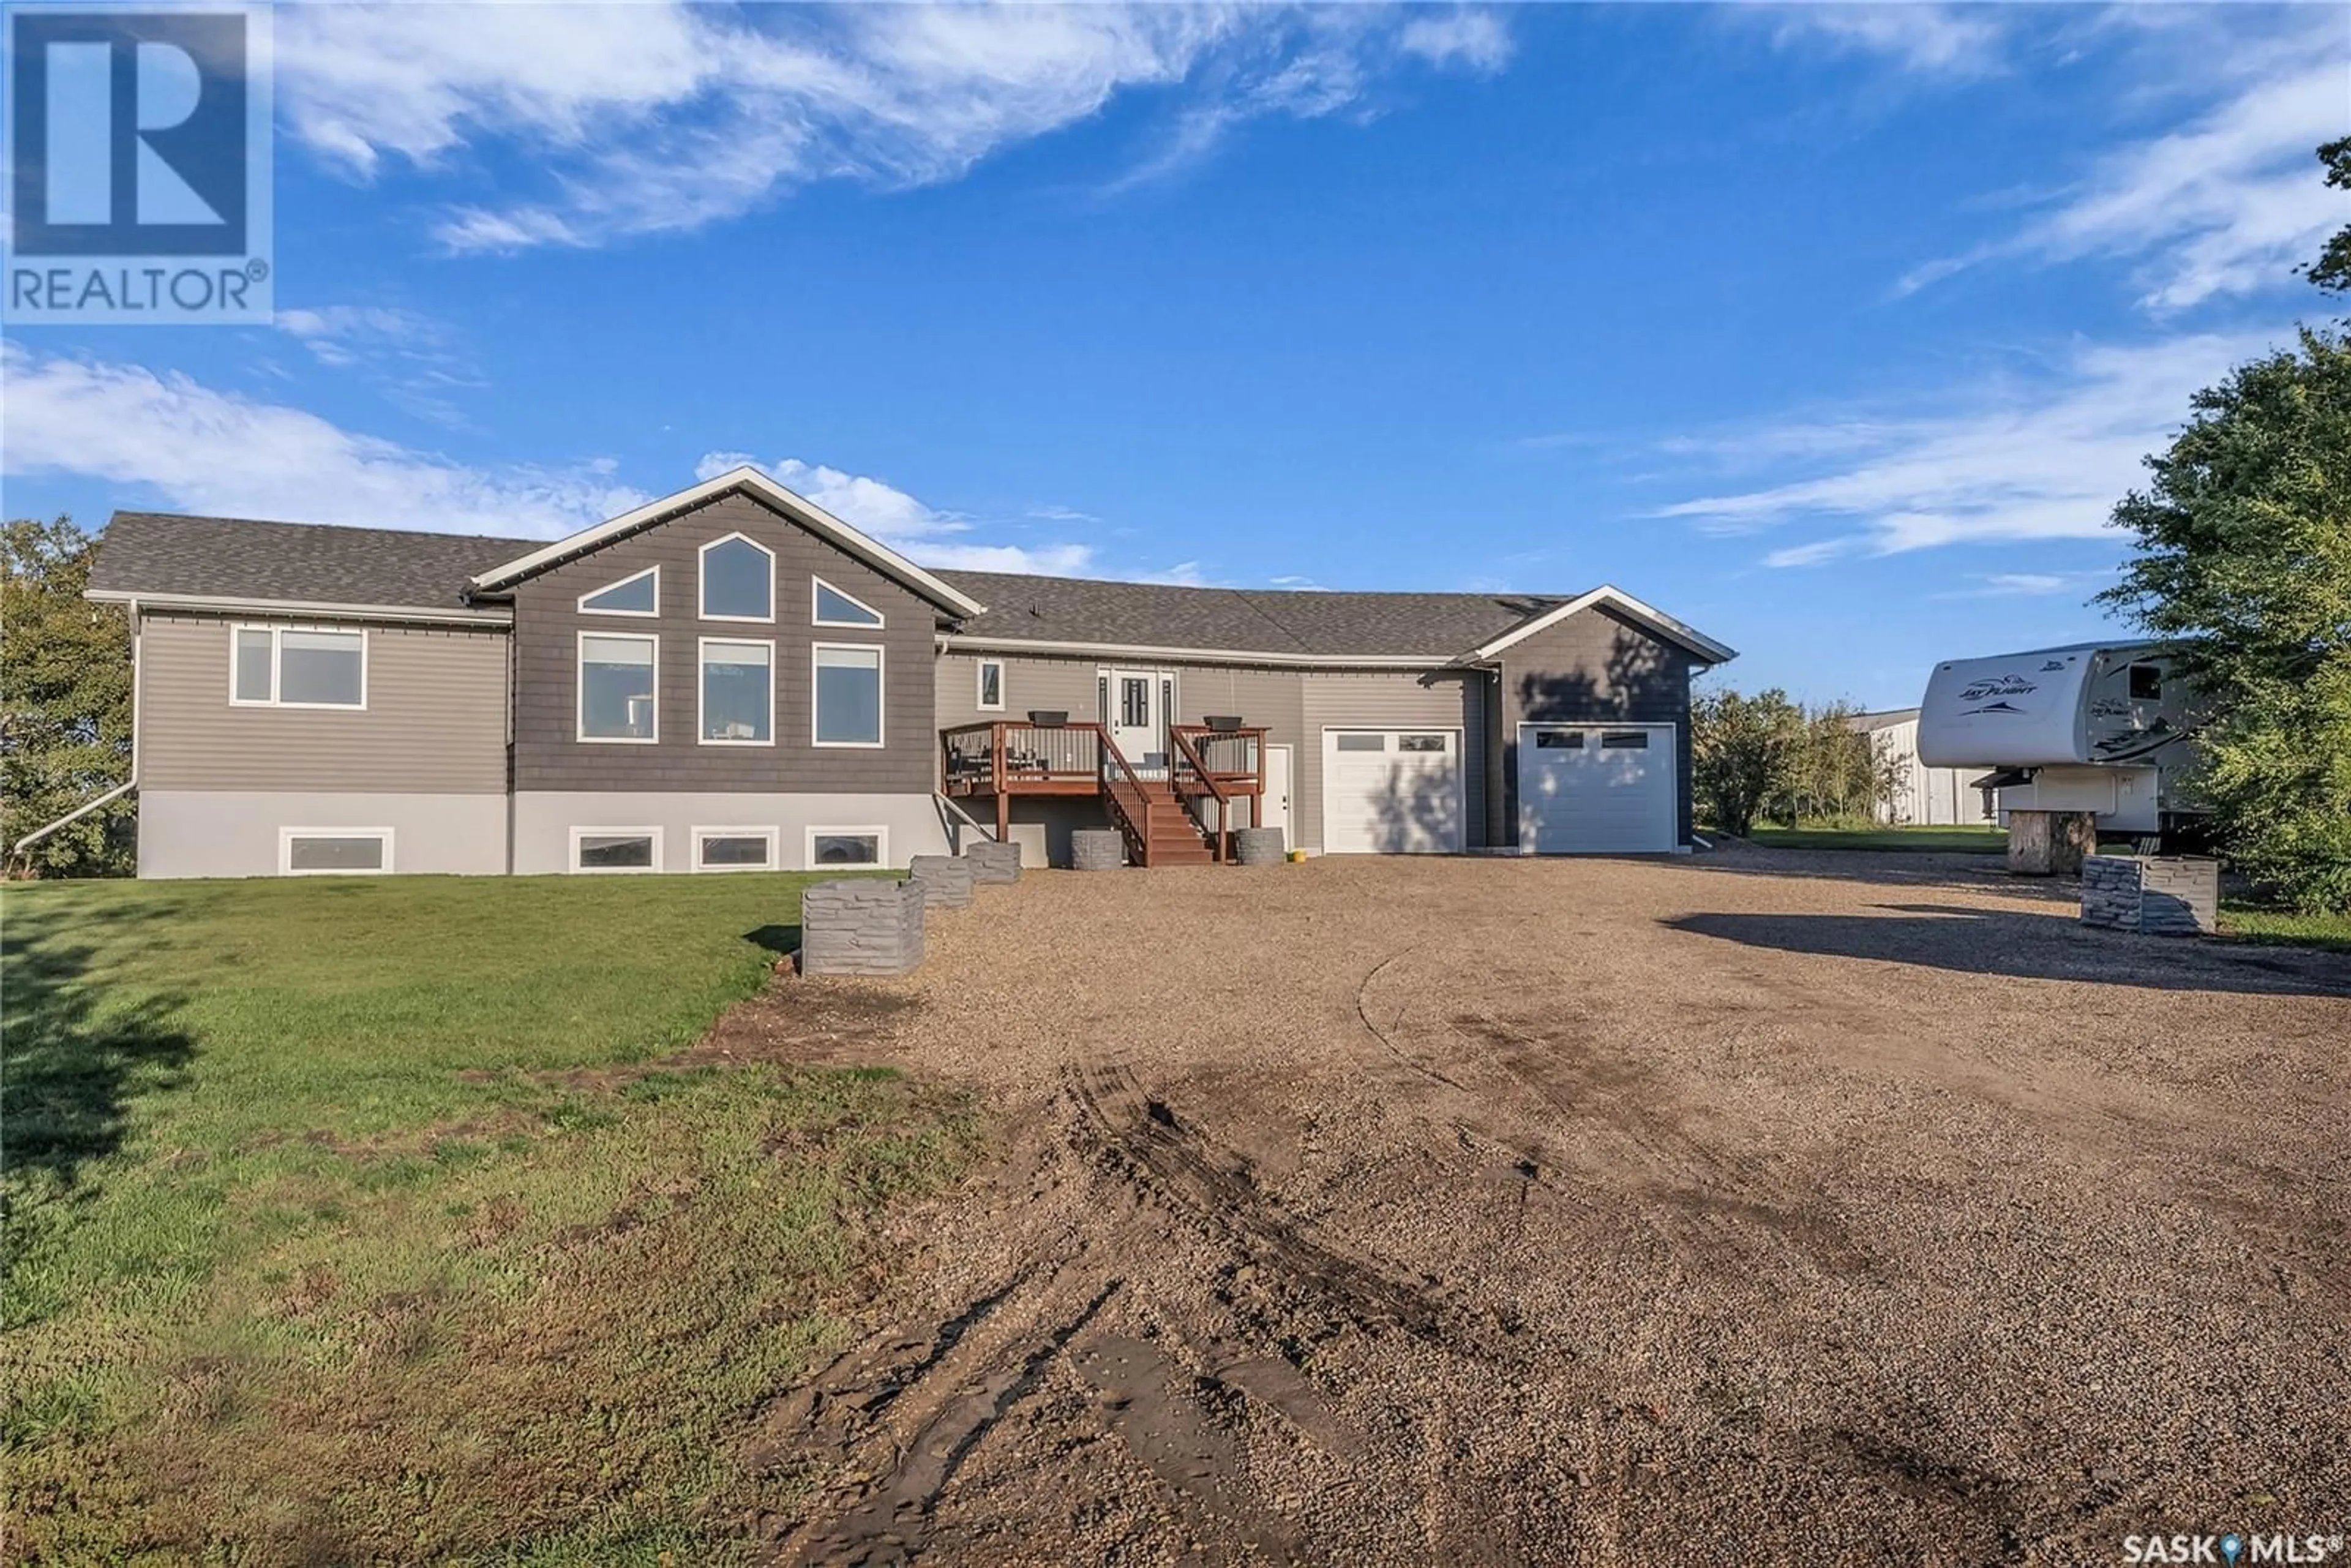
(1182, 813)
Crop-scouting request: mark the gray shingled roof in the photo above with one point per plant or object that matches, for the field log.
(302, 563)
(311, 563)
(1257, 620)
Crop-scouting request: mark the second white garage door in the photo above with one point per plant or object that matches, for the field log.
(1391, 791)
(1596, 789)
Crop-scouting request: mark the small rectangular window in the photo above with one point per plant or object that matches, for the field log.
(1559, 740)
(617, 686)
(1625, 740)
(615, 849)
(991, 685)
(739, 693)
(834, 607)
(292, 666)
(848, 695)
(1362, 743)
(2146, 683)
(1134, 702)
(733, 849)
(334, 851)
(846, 847)
(1420, 743)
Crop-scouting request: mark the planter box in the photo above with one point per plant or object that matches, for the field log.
(2164, 895)
(1048, 716)
(862, 927)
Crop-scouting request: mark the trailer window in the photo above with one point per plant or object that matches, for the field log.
(2145, 683)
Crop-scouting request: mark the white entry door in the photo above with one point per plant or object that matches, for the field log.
(1604, 790)
(1273, 806)
(1134, 707)
(1391, 791)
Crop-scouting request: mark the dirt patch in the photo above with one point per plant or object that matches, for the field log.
(1766, 1204)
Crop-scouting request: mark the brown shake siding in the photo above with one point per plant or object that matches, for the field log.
(1593, 667)
(435, 720)
(548, 754)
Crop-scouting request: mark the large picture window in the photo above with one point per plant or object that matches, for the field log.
(739, 693)
(617, 686)
(848, 695)
(738, 581)
(295, 666)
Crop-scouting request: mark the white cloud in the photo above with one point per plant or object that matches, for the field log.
(414, 360)
(207, 451)
(662, 116)
(931, 537)
(1932, 39)
(2226, 205)
(2034, 584)
(2041, 461)
(1474, 40)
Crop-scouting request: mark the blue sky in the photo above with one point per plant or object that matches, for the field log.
(1834, 331)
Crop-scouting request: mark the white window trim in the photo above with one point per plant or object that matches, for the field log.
(580, 833)
(286, 837)
(881, 695)
(276, 653)
(701, 686)
(979, 686)
(880, 835)
(816, 617)
(653, 614)
(702, 580)
(773, 836)
(579, 692)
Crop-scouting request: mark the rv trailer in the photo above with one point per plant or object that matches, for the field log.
(2098, 728)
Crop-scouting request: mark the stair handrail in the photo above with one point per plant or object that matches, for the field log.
(1135, 818)
(1187, 755)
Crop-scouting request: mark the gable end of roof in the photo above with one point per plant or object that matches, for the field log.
(750, 481)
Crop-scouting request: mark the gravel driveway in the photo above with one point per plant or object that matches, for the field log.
(1748, 1208)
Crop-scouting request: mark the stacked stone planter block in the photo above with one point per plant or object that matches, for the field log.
(867, 927)
(2165, 895)
(992, 863)
(1097, 849)
(945, 880)
(1257, 846)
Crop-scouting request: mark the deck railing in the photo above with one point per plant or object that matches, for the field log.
(1213, 769)
(1003, 756)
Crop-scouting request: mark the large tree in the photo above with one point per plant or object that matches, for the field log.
(2243, 565)
(65, 705)
(1745, 754)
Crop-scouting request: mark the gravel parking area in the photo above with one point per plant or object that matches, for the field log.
(1748, 1208)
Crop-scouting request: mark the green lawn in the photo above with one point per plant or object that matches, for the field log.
(378, 1219)
(1985, 839)
(2260, 922)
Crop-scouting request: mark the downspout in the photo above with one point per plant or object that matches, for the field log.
(78, 812)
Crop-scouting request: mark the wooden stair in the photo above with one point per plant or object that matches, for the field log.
(1176, 838)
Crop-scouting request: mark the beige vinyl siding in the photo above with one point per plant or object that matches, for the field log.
(435, 720)
(1028, 683)
(1388, 700)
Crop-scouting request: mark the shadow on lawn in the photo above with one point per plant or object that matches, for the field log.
(74, 1055)
(2034, 946)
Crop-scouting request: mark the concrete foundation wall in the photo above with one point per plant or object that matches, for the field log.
(224, 833)
(543, 820)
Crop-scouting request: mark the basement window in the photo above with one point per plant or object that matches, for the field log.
(334, 851)
(733, 849)
(615, 849)
(847, 846)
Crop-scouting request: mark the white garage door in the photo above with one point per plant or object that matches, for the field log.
(1391, 791)
(1596, 789)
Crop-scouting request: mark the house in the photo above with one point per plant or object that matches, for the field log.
(1927, 797)
(732, 678)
